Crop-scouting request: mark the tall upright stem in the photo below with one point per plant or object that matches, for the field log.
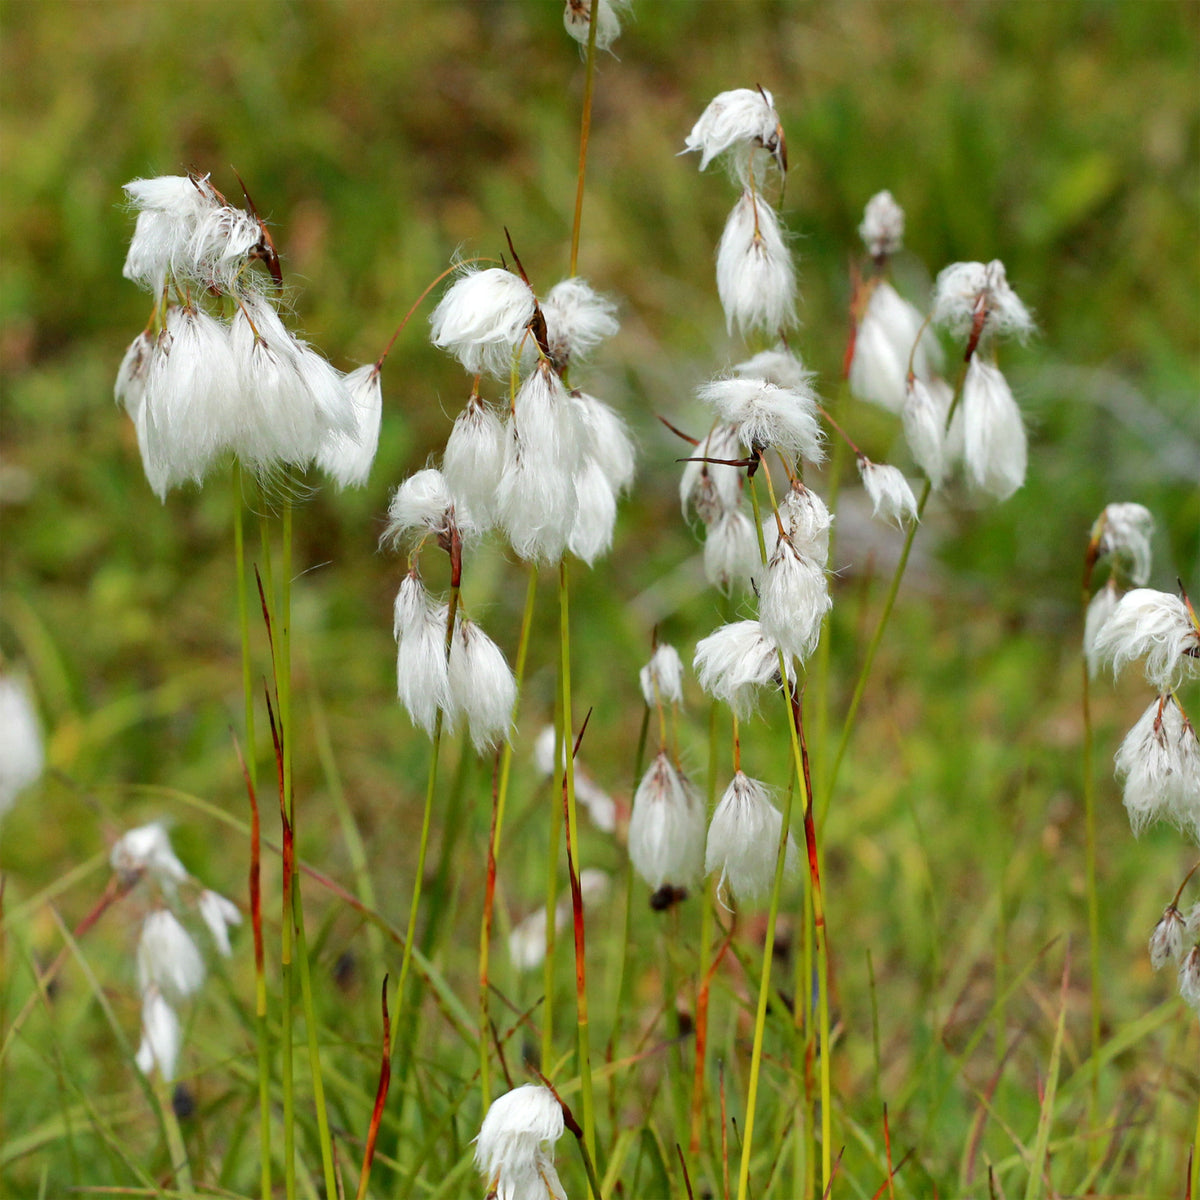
(251, 762)
(585, 129)
(485, 927)
(568, 787)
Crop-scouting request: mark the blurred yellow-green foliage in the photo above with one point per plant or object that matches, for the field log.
(380, 139)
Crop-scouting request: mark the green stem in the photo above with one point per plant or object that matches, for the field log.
(1093, 896)
(181, 1167)
(585, 129)
(485, 928)
(568, 767)
(262, 1037)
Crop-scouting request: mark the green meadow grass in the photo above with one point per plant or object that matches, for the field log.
(379, 139)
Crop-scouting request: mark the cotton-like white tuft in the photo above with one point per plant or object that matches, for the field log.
(805, 519)
(731, 556)
(219, 914)
(1166, 941)
(711, 488)
(736, 660)
(577, 19)
(421, 504)
(925, 430)
(422, 676)
(883, 348)
(482, 318)
(167, 958)
(882, 228)
(756, 278)
(515, 1146)
(661, 678)
(994, 444)
(891, 497)
(737, 122)
(22, 758)
(780, 367)
(743, 840)
(482, 686)
(474, 458)
(349, 456)
(1154, 626)
(970, 295)
(1099, 609)
(147, 849)
(162, 1036)
(578, 319)
(1125, 531)
(666, 827)
(766, 416)
(793, 600)
(1159, 764)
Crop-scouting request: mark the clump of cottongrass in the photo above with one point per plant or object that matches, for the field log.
(170, 965)
(199, 384)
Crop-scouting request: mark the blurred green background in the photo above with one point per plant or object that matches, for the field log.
(379, 139)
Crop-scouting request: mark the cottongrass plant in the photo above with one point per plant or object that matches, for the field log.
(535, 465)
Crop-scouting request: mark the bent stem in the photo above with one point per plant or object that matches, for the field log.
(485, 927)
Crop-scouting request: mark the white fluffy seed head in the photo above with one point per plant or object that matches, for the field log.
(743, 841)
(793, 600)
(805, 520)
(22, 758)
(219, 914)
(349, 456)
(666, 827)
(606, 439)
(147, 850)
(970, 295)
(167, 958)
(765, 415)
(1159, 764)
(738, 123)
(578, 318)
(891, 497)
(1099, 609)
(756, 278)
(1166, 941)
(1189, 979)
(169, 209)
(883, 346)
(736, 660)
(577, 19)
(536, 499)
(191, 406)
(130, 386)
(994, 443)
(290, 400)
(162, 1036)
(924, 422)
(482, 318)
(482, 686)
(515, 1133)
(422, 504)
(1154, 626)
(595, 513)
(1123, 533)
(711, 488)
(731, 557)
(882, 228)
(422, 676)
(474, 458)
(661, 678)
(779, 366)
